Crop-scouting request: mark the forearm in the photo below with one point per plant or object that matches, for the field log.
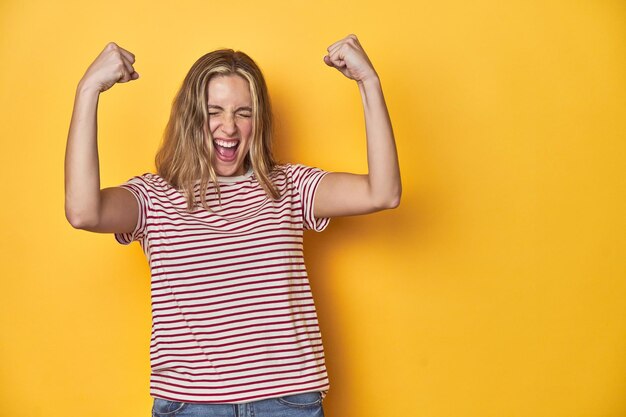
(382, 158)
(82, 171)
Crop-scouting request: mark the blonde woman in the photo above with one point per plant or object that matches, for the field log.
(234, 326)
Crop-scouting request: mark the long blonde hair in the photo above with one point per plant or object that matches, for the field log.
(187, 149)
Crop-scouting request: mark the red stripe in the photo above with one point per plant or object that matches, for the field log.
(280, 362)
(264, 325)
(234, 321)
(156, 318)
(205, 345)
(287, 281)
(317, 363)
(221, 385)
(289, 246)
(233, 271)
(216, 353)
(246, 399)
(320, 370)
(252, 227)
(239, 277)
(180, 299)
(208, 237)
(255, 238)
(230, 363)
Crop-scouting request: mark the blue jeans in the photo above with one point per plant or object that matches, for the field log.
(308, 404)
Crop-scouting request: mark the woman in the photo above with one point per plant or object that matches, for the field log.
(234, 327)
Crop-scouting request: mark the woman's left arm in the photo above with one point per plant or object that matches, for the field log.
(345, 194)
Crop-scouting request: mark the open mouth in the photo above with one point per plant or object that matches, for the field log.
(226, 149)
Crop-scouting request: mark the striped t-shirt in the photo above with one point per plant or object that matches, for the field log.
(233, 317)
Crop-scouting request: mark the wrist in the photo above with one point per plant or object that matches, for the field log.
(369, 80)
(84, 88)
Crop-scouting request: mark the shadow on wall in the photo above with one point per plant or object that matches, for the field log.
(320, 248)
(403, 231)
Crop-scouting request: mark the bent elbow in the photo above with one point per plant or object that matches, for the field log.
(388, 203)
(77, 222)
(394, 203)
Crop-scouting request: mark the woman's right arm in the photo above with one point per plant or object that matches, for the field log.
(87, 206)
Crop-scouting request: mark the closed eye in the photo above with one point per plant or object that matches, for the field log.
(246, 115)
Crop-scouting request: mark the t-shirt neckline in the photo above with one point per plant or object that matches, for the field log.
(236, 178)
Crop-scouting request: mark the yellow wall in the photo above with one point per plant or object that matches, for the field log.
(496, 289)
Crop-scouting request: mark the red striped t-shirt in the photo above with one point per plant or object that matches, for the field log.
(233, 317)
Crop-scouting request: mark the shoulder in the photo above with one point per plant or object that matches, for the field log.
(152, 178)
(296, 169)
(150, 183)
(303, 177)
(287, 171)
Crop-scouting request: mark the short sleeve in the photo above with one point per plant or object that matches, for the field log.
(139, 187)
(306, 180)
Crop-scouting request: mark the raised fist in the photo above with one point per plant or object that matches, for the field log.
(113, 65)
(349, 58)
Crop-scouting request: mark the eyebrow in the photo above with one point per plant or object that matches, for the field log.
(213, 106)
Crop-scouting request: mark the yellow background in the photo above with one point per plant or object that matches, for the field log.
(498, 286)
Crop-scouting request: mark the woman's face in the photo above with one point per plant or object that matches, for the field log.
(230, 122)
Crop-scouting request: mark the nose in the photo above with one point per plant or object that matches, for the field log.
(228, 125)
